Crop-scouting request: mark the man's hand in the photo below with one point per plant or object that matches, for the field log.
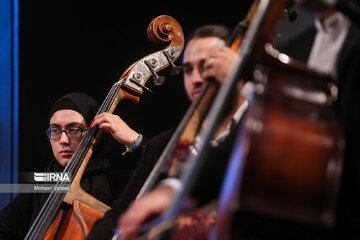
(151, 205)
(220, 64)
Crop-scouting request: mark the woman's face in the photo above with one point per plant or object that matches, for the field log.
(64, 148)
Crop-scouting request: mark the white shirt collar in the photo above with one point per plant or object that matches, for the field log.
(328, 42)
(333, 25)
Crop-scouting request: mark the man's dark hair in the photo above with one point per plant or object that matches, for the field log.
(211, 30)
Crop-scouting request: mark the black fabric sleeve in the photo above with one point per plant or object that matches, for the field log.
(152, 149)
(351, 8)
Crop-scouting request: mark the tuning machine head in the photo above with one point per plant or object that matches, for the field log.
(169, 54)
(140, 85)
(159, 80)
(151, 64)
(291, 14)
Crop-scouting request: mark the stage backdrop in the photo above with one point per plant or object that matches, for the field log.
(84, 46)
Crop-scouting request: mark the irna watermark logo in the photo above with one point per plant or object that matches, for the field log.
(51, 177)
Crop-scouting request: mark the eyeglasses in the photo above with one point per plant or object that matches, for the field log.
(54, 133)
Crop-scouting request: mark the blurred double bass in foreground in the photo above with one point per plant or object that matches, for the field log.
(284, 173)
(287, 159)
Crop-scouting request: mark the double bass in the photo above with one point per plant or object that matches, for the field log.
(285, 169)
(284, 173)
(70, 215)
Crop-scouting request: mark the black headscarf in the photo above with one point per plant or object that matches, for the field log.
(79, 102)
(87, 107)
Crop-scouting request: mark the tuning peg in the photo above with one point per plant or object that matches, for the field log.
(159, 80)
(152, 63)
(174, 69)
(292, 14)
(140, 85)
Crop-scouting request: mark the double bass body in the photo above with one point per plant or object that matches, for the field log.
(294, 152)
(73, 222)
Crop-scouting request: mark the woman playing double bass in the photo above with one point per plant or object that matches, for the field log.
(69, 118)
(71, 214)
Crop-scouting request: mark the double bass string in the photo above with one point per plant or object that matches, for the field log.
(74, 165)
